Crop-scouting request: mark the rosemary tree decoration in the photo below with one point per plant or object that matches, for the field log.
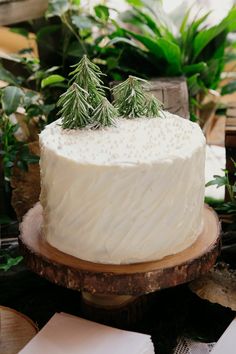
(132, 101)
(84, 103)
(74, 107)
(104, 114)
(88, 76)
(153, 107)
(130, 98)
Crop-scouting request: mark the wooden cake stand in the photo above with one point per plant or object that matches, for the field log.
(107, 285)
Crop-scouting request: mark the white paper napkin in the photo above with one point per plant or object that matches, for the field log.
(227, 342)
(73, 335)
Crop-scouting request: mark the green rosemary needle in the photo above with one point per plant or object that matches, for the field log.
(104, 115)
(75, 108)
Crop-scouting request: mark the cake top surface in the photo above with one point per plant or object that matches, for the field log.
(132, 141)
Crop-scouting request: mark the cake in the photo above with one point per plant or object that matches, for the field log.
(124, 194)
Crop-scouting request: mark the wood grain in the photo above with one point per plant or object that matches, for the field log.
(133, 279)
(173, 93)
(15, 11)
(217, 286)
(16, 330)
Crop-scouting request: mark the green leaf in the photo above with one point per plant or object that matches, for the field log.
(81, 22)
(148, 42)
(7, 76)
(194, 68)
(11, 96)
(135, 2)
(102, 12)
(194, 84)
(148, 21)
(229, 208)
(232, 19)
(30, 97)
(196, 23)
(204, 37)
(218, 181)
(47, 108)
(22, 31)
(193, 117)
(52, 69)
(184, 21)
(11, 262)
(160, 48)
(229, 88)
(52, 79)
(9, 164)
(75, 50)
(112, 63)
(57, 8)
(122, 40)
(46, 31)
(171, 52)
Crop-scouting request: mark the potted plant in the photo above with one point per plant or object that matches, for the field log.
(197, 51)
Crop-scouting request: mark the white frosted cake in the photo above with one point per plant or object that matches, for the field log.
(125, 194)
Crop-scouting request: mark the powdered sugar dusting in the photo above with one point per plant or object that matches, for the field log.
(132, 141)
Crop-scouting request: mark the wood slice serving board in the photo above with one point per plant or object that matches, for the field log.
(134, 279)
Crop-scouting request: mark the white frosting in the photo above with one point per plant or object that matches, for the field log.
(127, 194)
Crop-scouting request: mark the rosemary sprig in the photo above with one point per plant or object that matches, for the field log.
(104, 115)
(132, 101)
(88, 76)
(130, 98)
(153, 107)
(75, 107)
(84, 103)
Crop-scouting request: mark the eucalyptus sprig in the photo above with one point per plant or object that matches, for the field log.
(132, 101)
(104, 115)
(75, 108)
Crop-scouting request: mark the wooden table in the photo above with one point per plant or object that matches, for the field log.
(15, 332)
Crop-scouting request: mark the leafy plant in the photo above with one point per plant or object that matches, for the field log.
(78, 30)
(34, 107)
(197, 51)
(13, 151)
(230, 206)
(7, 261)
